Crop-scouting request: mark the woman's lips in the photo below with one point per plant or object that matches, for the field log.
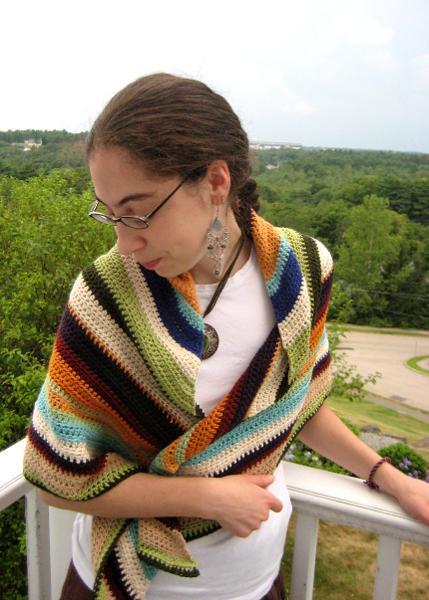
(151, 264)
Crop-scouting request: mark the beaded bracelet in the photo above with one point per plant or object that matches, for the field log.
(369, 482)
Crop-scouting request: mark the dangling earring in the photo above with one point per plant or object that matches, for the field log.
(217, 241)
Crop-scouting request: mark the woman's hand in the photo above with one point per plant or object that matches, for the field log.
(239, 503)
(413, 496)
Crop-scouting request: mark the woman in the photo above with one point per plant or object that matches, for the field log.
(187, 360)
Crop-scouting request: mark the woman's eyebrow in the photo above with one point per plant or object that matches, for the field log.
(125, 199)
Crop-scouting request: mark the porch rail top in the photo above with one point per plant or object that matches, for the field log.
(346, 500)
(12, 483)
(328, 496)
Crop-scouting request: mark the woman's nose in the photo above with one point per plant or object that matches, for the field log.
(129, 240)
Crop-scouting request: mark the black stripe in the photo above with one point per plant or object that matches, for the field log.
(104, 297)
(125, 397)
(315, 274)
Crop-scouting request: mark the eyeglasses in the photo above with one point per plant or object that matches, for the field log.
(130, 220)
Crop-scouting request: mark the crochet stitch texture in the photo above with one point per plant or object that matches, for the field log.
(119, 396)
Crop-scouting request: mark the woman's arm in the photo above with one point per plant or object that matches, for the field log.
(326, 434)
(238, 502)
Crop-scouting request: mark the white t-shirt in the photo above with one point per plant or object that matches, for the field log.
(231, 568)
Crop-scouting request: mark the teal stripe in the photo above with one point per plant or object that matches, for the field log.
(278, 411)
(282, 258)
(192, 317)
(70, 429)
(133, 529)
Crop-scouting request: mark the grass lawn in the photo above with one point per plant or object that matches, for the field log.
(363, 412)
(413, 364)
(383, 330)
(346, 563)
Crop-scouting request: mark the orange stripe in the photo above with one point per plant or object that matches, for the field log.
(317, 331)
(267, 242)
(205, 431)
(185, 285)
(69, 381)
(170, 457)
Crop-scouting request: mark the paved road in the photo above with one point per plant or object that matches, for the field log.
(372, 352)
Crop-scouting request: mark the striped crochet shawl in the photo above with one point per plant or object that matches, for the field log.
(119, 396)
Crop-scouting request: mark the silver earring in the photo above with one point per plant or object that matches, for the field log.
(217, 241)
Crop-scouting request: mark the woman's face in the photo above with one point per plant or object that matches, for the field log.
(175, 241)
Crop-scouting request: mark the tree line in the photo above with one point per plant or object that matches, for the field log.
(59, 149)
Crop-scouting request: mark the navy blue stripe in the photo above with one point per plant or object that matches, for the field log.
(166, 301)
(284, 298)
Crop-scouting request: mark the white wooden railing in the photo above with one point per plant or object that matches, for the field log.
(315, 495)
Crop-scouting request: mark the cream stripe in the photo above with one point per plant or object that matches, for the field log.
(298, 319)
(267, 391)
(110, 337)
(132, 573)
(326, 262)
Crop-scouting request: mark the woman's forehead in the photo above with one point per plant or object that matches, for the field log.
(114, 163)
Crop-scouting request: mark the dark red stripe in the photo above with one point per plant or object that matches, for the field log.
(90, 467)
(112, 573)
(321, 365)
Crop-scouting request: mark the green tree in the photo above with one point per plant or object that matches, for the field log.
(369, 246)
(46, 239)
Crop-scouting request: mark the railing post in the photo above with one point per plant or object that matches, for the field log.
(304, 557)
(388, 561)
(61, 526)
(38, 553)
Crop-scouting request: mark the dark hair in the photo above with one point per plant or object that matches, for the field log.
(178, 126)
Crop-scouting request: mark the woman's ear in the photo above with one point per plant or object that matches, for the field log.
(219, 181)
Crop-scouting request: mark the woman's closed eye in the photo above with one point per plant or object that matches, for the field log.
(128, 211)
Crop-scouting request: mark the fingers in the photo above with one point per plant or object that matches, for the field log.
(264, 481)
(277, 505)
(261, 480)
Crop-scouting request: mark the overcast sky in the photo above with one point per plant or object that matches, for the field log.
(339, 73)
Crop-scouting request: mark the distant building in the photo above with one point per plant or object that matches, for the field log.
(274, 145)
(31, 144)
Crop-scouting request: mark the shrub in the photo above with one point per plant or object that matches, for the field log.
(407, 460)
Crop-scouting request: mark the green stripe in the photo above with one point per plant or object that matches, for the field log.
(147, 337)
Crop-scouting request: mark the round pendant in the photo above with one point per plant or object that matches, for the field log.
(211, 341)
